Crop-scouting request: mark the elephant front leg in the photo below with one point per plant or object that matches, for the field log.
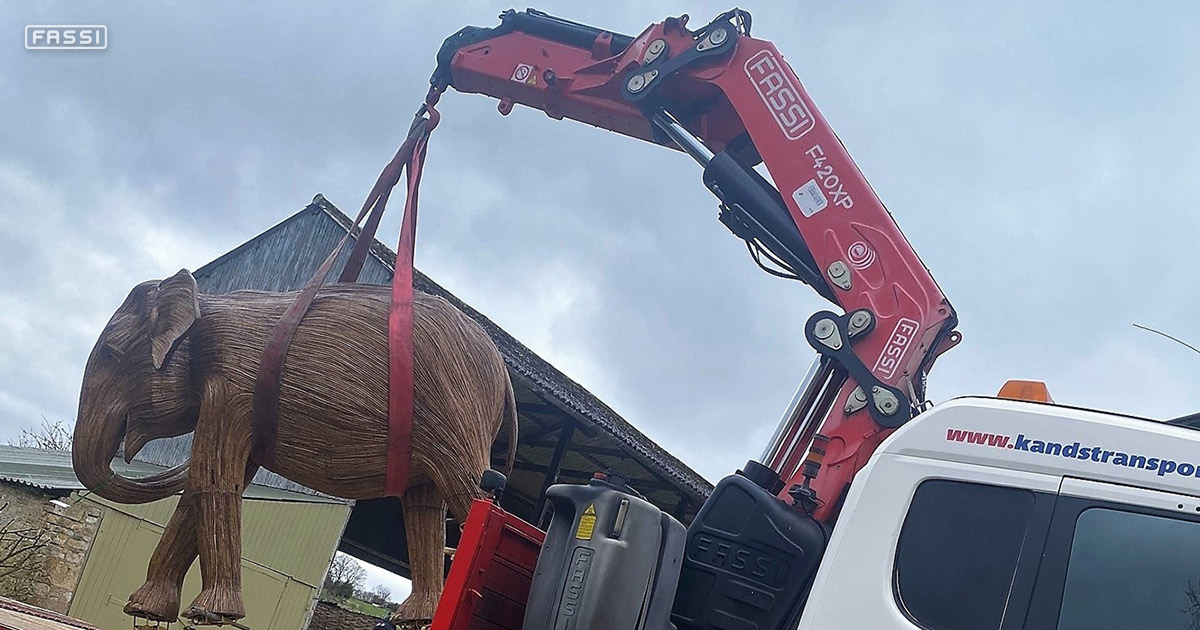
(220, 598)
(425, 527)
(218, 476)
(158, 598)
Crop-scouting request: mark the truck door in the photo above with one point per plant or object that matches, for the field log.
(1118, 557)
(934, 545)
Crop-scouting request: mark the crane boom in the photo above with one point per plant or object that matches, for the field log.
(731, 102)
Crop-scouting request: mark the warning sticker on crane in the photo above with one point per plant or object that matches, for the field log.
(524, 74)
(587, 523)
(810, 198)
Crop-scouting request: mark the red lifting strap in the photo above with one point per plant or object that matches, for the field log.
(265, 418)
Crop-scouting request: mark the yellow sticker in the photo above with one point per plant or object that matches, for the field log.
(532, 80)
(587, 523)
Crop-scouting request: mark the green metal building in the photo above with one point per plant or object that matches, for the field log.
(279, 584)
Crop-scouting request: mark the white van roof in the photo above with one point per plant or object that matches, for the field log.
(1053, 439)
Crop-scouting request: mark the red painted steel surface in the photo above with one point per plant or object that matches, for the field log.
(491, 574)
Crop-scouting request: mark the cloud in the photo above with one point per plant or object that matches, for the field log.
(1040, 159)
(64, 273)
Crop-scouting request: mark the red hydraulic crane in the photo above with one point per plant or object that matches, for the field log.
(731, 102)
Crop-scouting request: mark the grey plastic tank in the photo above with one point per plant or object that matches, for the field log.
(611, 561)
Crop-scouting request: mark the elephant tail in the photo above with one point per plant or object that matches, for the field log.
(510, 419)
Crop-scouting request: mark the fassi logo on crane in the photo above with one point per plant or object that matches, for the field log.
(889, 358)
(780, 95)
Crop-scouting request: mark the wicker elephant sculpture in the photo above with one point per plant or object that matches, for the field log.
(172, 361)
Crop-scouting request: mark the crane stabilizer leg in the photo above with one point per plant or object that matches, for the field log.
(730, 101)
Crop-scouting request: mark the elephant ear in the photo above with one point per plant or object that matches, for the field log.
(175, 307)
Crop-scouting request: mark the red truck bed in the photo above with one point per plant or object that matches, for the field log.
(491, 574)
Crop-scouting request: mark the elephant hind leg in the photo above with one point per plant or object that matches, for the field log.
(425, 527)
(459, 487)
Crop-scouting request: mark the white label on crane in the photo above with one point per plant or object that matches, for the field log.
(810, 198)
(522, 73)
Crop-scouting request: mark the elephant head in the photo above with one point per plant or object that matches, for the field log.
(136, 389)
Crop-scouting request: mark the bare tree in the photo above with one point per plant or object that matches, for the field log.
(378, 595)
(51, 436)
(18, 556)
(346, 570)
(345, 576)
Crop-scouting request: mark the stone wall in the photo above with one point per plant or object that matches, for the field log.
(46, 538)
(20, 557)
(71, 531)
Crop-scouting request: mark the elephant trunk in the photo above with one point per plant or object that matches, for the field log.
(95, 446)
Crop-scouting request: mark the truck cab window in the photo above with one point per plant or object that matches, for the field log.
(1130, 570)
(958, 553)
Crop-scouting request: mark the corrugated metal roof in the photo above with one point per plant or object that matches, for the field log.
(52, 470)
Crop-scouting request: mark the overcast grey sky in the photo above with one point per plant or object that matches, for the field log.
(1042, 158)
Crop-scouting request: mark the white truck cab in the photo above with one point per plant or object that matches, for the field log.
(997, 514)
